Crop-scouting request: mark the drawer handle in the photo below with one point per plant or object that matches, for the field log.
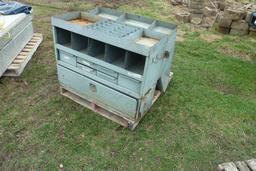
(66, 57)
(105, 76)
(86, 63)
(87, 69)
(93, 87)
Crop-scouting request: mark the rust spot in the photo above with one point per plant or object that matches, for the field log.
(81, 21)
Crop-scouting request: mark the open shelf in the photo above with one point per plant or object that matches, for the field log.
(135, 62)
(115, 55)
(79, 42)
(63, 37)
(96, 49)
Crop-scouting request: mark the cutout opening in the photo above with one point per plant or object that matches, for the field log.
(96, 49)
(79, 42)
(115, 55)
(63, 37)
(135, 62)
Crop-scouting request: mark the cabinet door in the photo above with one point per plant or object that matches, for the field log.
(98, 93)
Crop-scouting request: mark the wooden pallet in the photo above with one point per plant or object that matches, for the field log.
(101, 110)
(19, 63)
(248, 165)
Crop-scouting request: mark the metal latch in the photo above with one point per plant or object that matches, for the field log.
(165, 55)
(93, 87)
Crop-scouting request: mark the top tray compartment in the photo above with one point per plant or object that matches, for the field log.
(106, 13)
(135, 20)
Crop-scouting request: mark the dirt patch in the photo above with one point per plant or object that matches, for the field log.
(81, 21)
(210, 37)
(236, 54)
(180, 36)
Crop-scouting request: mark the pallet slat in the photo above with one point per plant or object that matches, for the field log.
(20, 62)
(242, 166)
(109, 114)
(252, 164)
(17, 61)
(227, 167)
(248, 165)
(21, 57)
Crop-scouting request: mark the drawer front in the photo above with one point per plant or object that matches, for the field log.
(107, 71)
(85, 62)
(86, 68)
(129, 83)
(99, 93)
(67, 58)
(107, 77)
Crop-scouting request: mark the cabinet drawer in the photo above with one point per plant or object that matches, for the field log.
(107, 77)
(85, 62)
(107, 71)
(129, 83)
(67, 58)
(86, 68)
(98, 93)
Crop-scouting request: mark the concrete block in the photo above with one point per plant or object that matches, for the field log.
(222, 6)
(238, 32)
(235, 14)
(225, 21)
(248, 16)
(240, 25)
(196, 6)
(196, 11)
(183, 17)
(176, 2)
(252, 33)
(209, 11)
(252, 29)
(224, 30)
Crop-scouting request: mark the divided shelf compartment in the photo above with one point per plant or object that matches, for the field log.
(115, 56)
(79, 42)
(107, 13)
(135, 20)
(122, 58)
(63, 37)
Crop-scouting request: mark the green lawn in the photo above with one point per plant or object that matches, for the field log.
(206, 117)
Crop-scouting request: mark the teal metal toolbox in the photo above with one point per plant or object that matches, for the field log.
(13, 38)
(116, 64)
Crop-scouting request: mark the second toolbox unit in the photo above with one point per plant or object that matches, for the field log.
(114, 63)
(15, 32)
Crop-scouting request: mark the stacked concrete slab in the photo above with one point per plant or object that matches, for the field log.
(196, 6)
(15, 32)
(235, 21)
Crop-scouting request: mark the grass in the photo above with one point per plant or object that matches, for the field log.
(206, 117)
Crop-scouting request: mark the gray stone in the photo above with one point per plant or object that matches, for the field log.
(238, 32)
(235, 14)
(248, 16)
(225, 21)
(240, 25)
(209, 11)
(222, 6)
(224, 30)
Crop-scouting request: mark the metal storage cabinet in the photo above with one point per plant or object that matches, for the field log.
(114, 63)
(21, 31)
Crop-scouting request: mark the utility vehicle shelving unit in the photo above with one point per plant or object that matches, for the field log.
(114, 63)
